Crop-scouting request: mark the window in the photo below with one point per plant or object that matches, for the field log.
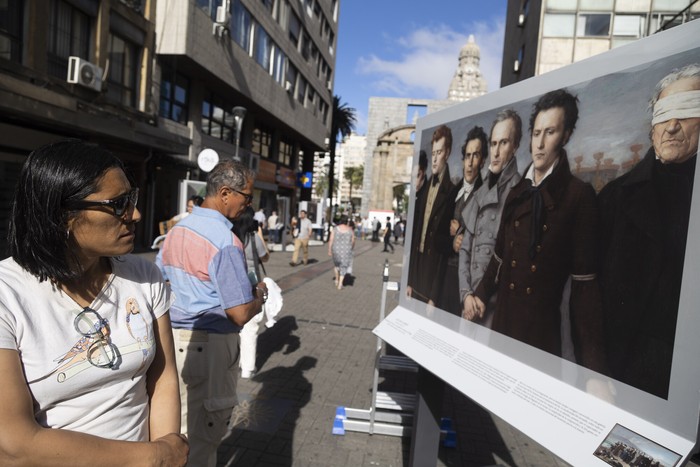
(217, 119)
(284, 154)
(69, 34)
(323, 110)
(558, 25)
(262, 140)
(123, 65)
(311, 100)
(628, 6)
(174, 91)
(301, 90)
(305, 46)
(593, 24)
(334, 9)
(11, 30)
(414, 112)
(663, 22)
(268, 4)
(291, 77)
(670, 5)
(561, 5)
(596, 5)
(263, 48)
(209, 6)
(279, 61)
(331, 39)
(629, 25)
(241, 26)
(294, 28)
(308, 5)
(518, 65)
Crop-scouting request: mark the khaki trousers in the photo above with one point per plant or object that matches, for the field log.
(207, 365)
(299, 244)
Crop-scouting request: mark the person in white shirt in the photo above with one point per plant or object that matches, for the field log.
(301, 242)
(86, 348)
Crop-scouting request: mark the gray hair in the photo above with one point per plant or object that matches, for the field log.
(509, 114)
(228, 173)
(691, 70)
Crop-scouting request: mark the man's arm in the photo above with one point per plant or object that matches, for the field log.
(241, 314)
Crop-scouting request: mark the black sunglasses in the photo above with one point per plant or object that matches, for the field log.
(119, 204)
(248, 198)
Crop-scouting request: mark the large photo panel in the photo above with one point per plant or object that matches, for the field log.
(550, 233)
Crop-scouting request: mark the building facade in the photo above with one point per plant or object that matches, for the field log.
(157, 81)
(351, 153)
(389, 118)
(543, 35)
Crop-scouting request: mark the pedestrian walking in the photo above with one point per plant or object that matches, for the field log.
(387, 236)
(340, 246)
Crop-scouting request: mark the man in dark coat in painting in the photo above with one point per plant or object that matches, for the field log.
(547, 234)
(433, 211)
(644, 226)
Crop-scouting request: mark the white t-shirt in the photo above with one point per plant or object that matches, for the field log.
(37, 319)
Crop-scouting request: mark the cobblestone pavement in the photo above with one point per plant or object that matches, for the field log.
(320, 355)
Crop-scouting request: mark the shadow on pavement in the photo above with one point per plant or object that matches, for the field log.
(279, 338)
(265, 423)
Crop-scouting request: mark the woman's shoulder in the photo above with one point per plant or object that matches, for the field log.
(10, 271)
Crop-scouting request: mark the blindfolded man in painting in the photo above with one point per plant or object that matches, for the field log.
(644, 216)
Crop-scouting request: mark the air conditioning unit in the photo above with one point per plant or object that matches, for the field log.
(222, 15)
(329, 85)
(84, 73)
(521, 19)
(516, 66)
(288, 86)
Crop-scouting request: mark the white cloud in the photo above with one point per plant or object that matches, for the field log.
(428, 58)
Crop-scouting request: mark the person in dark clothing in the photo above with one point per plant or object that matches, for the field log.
(433, 211)
(387, 236)
(644, 226)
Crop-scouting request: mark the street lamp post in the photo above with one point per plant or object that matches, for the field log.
(238, 116)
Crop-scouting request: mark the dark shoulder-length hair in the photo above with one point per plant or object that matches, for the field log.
(51, 178)
(245, 224)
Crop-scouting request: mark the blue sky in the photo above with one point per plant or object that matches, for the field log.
(410, 48)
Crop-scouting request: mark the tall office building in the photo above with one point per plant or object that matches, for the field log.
(543, 35)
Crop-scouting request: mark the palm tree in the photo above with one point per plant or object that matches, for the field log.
(354, 176)
(342, 123)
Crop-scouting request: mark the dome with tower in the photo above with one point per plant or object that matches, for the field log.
(467, 82)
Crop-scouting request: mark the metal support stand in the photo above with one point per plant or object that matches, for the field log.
(390, 413)
(425, 440)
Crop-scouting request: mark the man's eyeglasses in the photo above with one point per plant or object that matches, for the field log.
(100, 352)
(248, 198)
(119, 204)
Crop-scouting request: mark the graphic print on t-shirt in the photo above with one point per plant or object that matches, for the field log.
(139, 330)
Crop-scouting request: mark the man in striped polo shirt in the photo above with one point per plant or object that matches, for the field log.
(205, 264)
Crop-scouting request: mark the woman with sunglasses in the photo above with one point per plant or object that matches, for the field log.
(86, 349)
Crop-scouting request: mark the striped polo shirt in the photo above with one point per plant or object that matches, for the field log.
(205, 264)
